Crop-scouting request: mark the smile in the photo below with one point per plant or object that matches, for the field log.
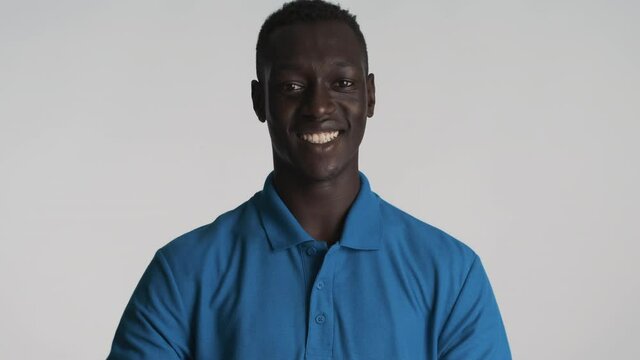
(321, 137)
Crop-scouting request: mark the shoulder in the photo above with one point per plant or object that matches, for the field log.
(210, 243)
(423, 242)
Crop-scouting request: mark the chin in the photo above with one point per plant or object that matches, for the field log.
(320, 173)
(315, 168)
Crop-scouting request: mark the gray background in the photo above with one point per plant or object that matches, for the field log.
(512, 125)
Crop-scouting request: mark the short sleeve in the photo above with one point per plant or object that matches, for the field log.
(474, 327)
(153, 325)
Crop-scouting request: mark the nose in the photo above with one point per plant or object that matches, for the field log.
(318, 102)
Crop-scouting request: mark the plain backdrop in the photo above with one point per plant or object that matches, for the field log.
(512, 125)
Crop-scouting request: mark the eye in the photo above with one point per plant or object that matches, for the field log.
(291, 87)
(344, 83)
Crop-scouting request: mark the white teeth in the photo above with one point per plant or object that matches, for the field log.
(320, 138)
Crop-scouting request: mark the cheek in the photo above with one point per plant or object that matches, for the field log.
(279, 142)
(281, 108)
(279, 118)
(356, 113)
(278, 134)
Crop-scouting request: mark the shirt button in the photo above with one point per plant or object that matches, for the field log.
(320, 319)
(320, 285)
(311, 251)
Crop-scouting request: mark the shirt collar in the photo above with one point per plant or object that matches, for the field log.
(362, 229)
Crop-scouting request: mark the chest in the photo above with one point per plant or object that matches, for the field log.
(314, 302)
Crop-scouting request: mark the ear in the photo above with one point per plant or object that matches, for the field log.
(257, 97)
(371, 95)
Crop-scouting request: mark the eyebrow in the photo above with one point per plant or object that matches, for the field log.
(297, 66)
(343, 63)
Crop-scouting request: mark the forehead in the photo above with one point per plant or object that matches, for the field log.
(315, 43)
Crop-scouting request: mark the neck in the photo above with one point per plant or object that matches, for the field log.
(320, 206)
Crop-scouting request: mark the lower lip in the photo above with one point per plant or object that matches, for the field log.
(322, 144)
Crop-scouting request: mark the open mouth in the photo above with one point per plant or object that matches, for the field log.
(320, 137)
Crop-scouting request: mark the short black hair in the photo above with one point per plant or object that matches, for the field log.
(305, 11)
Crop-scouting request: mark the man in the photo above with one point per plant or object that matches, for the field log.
(316, 265)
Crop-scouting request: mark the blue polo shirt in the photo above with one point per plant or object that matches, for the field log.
(254, 285)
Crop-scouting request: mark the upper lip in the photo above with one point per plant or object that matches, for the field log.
(316, 130)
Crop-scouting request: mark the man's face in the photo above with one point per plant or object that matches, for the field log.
(315, 96)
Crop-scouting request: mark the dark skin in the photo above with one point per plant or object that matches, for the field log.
(315, 81)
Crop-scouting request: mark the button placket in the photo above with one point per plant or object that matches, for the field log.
(321, 323)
